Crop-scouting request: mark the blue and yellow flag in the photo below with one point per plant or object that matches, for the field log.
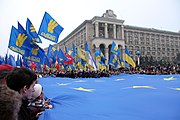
(113, 61)
(128, 58)
(28, 43)
(102, 66)
(68, 51)
(46, 61)
(124, 64)
(99, 55)
(52, 53)
(90, 60)
(74, 52)
(16, 41)
(49, 28)
(61, 56)
(36, 54)
(114, 48)
(81, 54)
(32, 32)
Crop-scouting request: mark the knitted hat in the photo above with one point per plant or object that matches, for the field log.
(4, 70)
(37, 91)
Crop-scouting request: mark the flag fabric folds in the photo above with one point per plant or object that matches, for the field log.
(74, 52)
(112, 60)
(11, 61)
(90, 60)
(70, 59)
(27, 43)
(32, 32)
(16, 41)
(99, 55)
(128, 58)
(2, 60)
(49, 28)
(114, 48)
(18, 63)
(81, 54)
(62, 57)
(52, 53)
(36, 54)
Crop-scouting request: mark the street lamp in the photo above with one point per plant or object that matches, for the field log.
(138, 54)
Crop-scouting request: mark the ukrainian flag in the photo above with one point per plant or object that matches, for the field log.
(128, 58)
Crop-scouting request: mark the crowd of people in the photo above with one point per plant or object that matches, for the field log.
(148, 70)
(22, 97)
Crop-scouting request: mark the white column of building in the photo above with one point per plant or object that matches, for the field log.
(114, 30)
(122, 32)
(106, 30)
(97, 29)
(123, 44)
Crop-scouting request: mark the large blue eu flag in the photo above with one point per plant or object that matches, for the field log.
(49, 28)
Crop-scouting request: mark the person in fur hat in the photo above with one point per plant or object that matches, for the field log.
(38, 103)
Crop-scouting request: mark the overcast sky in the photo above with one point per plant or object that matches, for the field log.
(159, 14)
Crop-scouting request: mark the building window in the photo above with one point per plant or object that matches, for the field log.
(101, 30)
(142, 52)
(142, 48)
(142, 43)
(148, 53)
(110, 31)
(130, 47)
(159, 49)
(137, 48)
(130, 39)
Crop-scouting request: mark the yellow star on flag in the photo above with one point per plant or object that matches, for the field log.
(83, 89)
(143, 87)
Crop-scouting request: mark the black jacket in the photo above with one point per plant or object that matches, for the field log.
(24, 113)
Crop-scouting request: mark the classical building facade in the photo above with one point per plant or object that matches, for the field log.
(99, 32)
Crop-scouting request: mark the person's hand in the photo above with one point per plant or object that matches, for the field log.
(48, 106)
(47, 101)
(38, 114)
